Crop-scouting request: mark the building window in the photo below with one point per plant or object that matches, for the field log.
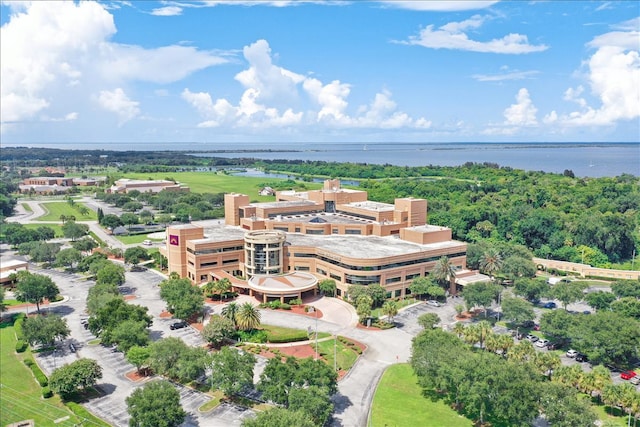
(203, 277)
(229, 261)
(356, 231)
(302, 268)
(208, 264)
(392, 280)
(335, 276)
(315, 232)
(412, 276)
(321, 271)
(297, 229)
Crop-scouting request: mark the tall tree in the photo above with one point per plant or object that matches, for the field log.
(491, 262)
(218, 329)
(183, 299)
(135, 254)
(517, 310)
(72, 230)
(279, 417)
(390, 309)
(232, 370)
(445, 274)
(80, 374)
(247, 317)
(156, 404)
(569, 292)
(45, 330)
(230, 311)
(35, 288)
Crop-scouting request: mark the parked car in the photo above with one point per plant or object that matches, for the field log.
(532, 338)
(552, 345)
(178, 325)
(550, 305)
(581, 357)
(72, 348)
(627, 375)
(572, 353)
(635, 380)
(536, 327)
(542, 343)
(433, 303)
(147, 243)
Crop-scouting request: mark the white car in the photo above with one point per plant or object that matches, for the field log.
(572, 353)
(635, 380)
(433, 303)
(542, 343)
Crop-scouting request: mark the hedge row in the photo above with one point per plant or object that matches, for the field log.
(21, 346)
(37, 373)
(293, 336)
(17, 326)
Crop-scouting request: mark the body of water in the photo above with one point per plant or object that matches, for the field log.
(584, 159)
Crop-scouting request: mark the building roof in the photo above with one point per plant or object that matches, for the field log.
(352, 246)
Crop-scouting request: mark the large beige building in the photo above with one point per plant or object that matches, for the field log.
(126, 185)
(333, 233)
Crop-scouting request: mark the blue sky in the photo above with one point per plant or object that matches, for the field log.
(87, 74)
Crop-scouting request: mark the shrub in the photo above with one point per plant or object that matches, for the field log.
(46, 392)
(37, 373)
(17, 326)
(21, 346)
(290, 337)
(285, 306)
(295, 301)
(257, 336)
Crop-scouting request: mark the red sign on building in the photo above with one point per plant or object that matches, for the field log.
(174, 240)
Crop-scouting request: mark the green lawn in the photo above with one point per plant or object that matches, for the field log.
(618, 418)
(56, 209)
(26, 207)
(134, 239)
(398, 402)
(20, 396)
(211, 182)
(346, 355)
(400, 304)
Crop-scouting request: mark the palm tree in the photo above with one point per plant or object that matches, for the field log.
(390, 309)
(230, 311)
(63, 218)
(546, 362)
(569, 375)
(630, 400)
(491, 262)
(612, 396)
(472, 334)
(222, 286)
(485, 330)
(444, 272)
(602, 377)
(247, 317)
(521, 352)
(493, 343)
(458, 329)
(506, 342)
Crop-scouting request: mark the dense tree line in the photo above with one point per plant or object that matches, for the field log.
(490, 388)
(593, 220)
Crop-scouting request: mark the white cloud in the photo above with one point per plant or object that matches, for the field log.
(512, 75)
(268, 88)
(614, 78)
(453, 36)
(440, 6)
(53, 54)
(167, 11)
(523, 112)
(270, 80)
(118, 102)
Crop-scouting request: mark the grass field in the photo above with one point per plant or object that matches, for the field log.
(346, 356)
(135, 239)
(398, 402)
(20, 397)
(56, 209)
(26, 207)
(210, 182)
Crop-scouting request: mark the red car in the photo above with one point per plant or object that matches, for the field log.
(627, 375)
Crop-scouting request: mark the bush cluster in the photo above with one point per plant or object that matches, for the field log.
(21, 346)
(46, 392)
(256, 336)
(276, 305)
